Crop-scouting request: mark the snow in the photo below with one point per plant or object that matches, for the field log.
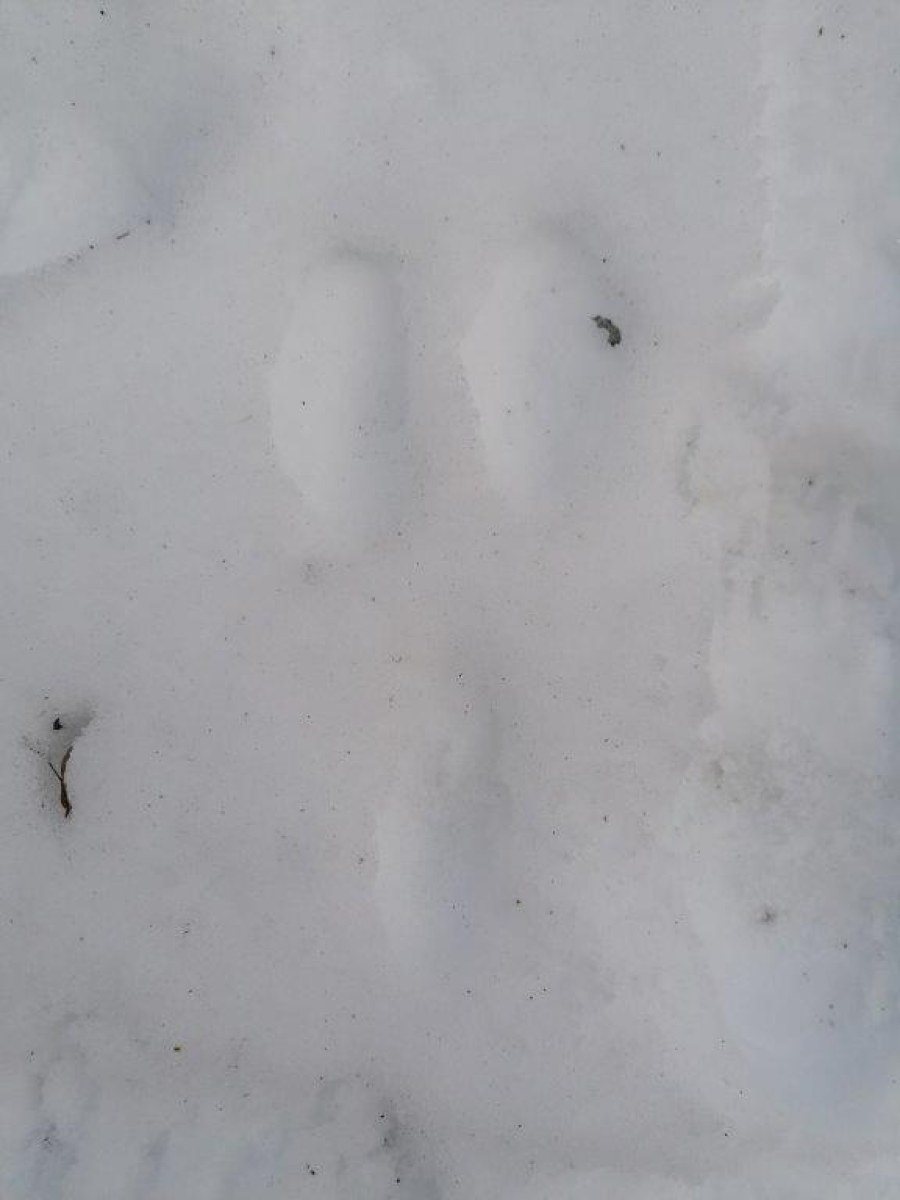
(338, 419)
(483, 768)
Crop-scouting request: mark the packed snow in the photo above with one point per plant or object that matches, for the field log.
(478, 727)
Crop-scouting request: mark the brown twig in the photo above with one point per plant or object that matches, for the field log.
(61, 776)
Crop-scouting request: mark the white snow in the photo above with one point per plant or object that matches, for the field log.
(483, 767)
(533, 363)
(338, 418)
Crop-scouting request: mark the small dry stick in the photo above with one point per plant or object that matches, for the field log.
(61, 776)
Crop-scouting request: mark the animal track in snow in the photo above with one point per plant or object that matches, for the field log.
(535, 367)
(338, 397)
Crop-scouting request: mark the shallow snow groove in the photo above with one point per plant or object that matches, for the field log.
(339, 399)
(539, 374)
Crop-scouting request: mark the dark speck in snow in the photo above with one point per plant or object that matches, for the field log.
(614, 334)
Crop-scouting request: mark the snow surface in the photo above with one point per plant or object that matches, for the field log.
(484, 780)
